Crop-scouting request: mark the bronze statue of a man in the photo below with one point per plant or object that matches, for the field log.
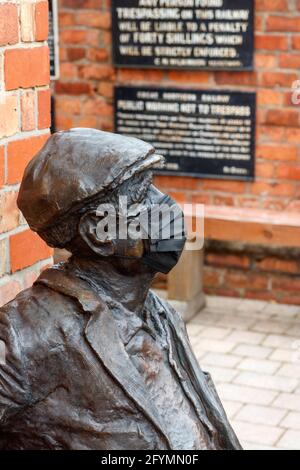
(94, 359)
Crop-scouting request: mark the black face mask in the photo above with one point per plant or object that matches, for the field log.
(162, 229)
(167, 234)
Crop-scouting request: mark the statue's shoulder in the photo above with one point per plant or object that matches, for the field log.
(65, 282)
(46, 314)
(33, 307)
(28, 299)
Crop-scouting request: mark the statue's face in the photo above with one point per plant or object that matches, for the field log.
(145, 236)
(151, 232)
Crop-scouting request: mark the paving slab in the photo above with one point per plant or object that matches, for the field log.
(252, 350)
(290, 440)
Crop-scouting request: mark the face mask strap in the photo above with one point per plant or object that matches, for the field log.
(166, 246)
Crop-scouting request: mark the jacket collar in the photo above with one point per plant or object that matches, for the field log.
(101, 333)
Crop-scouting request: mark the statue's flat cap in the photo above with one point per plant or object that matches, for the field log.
(78, 165)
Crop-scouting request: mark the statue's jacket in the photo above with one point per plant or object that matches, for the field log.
(68, 383)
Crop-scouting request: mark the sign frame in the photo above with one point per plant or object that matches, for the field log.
(53, 7)
(177, 67)
(200, 175)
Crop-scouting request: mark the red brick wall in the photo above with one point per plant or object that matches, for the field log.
(252, 272)
(24, 127)
(84, 97)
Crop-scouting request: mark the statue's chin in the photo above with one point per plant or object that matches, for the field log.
(133, 267)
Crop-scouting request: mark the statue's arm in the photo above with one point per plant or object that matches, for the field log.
(14, 392)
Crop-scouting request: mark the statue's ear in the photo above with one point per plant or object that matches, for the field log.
(88, 230)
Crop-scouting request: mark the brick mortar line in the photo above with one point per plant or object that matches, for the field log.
(15, 91)
(19, 2)
(7, 263)
(19, 229)
(19, 108)
(7, 188)
(36, 108)
(64, 9)
(5, 165)
(2, 81)
(283, 14)
(19, 275)
(24, 46)
(85, 27)
(23, 135)
(174, 83)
